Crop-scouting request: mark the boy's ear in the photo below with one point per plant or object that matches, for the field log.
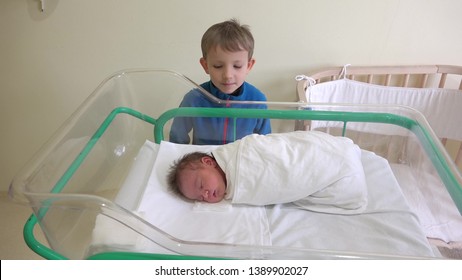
(250, 64)
(203, 62)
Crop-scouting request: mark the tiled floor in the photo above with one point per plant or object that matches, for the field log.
(12, 219)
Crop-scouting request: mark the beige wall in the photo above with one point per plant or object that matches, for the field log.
(51, 61)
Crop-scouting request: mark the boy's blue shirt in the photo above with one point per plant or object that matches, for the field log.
(217, 131)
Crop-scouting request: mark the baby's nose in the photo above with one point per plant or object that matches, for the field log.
(205, 194)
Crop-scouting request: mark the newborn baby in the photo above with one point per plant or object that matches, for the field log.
(314, 170)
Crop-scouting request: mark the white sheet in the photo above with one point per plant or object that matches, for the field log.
(315, 170)
(135, 183)
(388, 227)
(183, 220)
(428, 197)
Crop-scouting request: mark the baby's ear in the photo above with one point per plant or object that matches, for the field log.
(208, 161)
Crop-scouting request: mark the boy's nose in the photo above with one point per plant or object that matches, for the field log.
(227, 73)
(205, 193)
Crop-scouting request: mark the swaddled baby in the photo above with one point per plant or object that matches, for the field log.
(314, 170)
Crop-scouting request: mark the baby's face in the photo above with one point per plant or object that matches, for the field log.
(206, 183)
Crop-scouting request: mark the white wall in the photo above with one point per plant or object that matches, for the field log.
(51, 61)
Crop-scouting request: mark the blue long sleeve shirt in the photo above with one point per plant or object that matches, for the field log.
(217, 131)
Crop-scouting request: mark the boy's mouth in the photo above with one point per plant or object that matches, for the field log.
(227, 84)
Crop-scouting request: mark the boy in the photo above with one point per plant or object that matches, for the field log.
(314, 170)
(227, 50)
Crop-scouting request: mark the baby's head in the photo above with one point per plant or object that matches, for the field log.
(197, 176)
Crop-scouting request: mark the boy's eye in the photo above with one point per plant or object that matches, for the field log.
(237, 66)
(217, 66)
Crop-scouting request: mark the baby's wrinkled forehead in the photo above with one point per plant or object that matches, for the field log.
(186, 175)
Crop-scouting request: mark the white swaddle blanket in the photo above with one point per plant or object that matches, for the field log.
(315, 170)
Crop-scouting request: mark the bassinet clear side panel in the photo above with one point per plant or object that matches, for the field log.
(90, 155)
(86, 184)
(148, 93)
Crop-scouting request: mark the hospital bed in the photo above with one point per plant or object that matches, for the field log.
(435, 91)
(98, 191)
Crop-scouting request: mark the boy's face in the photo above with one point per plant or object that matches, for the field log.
(227, 70)
(206, 183)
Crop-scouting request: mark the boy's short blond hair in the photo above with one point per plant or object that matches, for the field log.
(230, 35)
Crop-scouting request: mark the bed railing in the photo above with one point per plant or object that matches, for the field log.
(415, 76)
(419, 76)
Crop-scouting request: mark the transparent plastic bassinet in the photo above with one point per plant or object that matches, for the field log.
(81, 172)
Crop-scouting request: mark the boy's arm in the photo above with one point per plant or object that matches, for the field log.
(263, 126)
(179, 133)
(181, 126)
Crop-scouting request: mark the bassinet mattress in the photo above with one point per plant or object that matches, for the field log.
(387, 227)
